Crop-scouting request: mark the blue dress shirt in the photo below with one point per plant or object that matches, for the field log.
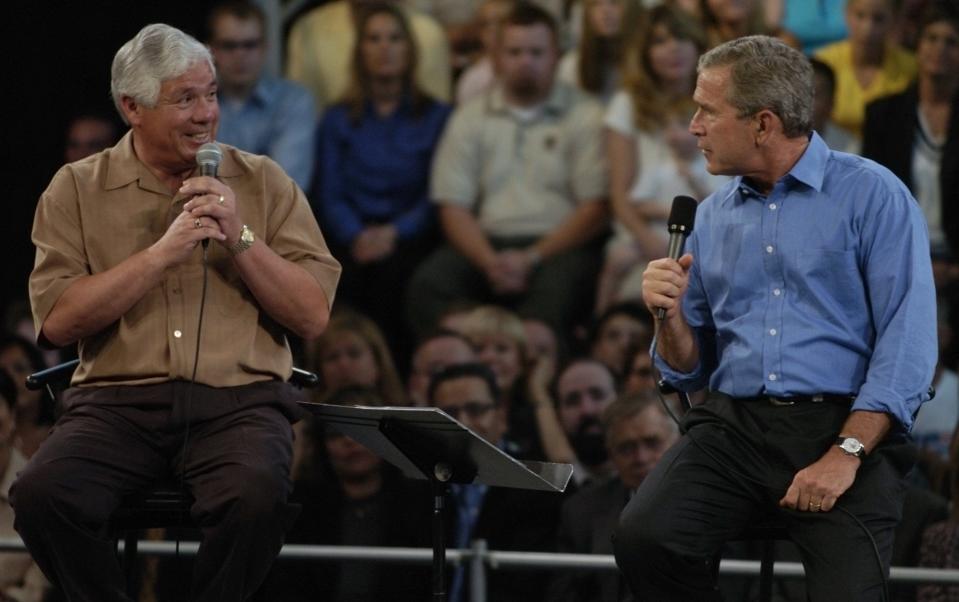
(278, 120)
(823, 286)
(377, 170)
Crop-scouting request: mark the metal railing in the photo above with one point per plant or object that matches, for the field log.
(481, 559)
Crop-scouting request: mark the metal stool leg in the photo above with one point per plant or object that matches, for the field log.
(130, 561)
(766, 571)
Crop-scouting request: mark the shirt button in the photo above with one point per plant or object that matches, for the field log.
(772, 377)
(777, 292)
(177, 334)
(769, 249)
(772, 331)
(772, 206)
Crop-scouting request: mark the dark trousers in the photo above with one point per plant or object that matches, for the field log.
(734, 462)
(114, 441)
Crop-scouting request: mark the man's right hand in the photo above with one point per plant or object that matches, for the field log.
(665, 282)
(181, 238)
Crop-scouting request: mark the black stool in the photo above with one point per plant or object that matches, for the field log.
(767, 531)
(163, 506)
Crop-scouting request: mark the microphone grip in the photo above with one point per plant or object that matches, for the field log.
(208, 169)
(674, 250)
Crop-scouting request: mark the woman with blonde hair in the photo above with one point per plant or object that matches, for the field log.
(652, 156)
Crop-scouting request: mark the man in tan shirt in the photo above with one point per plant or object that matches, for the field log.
(120, 270)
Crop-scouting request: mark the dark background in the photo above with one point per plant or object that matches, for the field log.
(56, 64)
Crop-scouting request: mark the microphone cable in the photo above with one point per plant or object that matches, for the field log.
(741, 476)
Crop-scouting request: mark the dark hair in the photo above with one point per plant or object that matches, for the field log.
(823, 69)
(241, 9)
(8, 390)
(471, 370)
(527, 14)
(358, 93)
(936, 11)
(354, 395)
(632, 309)
(47, 413)
(443, 333)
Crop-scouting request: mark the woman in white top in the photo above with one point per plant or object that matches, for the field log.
(593, 65)
(651, 154)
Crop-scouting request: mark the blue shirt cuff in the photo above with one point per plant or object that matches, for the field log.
(876, 399)
(683, 381)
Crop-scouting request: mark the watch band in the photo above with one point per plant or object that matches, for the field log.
(244, 242)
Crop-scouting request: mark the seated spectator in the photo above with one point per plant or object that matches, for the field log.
(814, 24)
(479, 77)
(35, 410)
(89, 134)
(542, 343)
(433, 354)
(584, 389)
(593, 65)
(520, 184)
(620, 328)
(20, 578)
(508, 519)
(726, 20)
(652, 156)
(321, 44)
(353, 498)
(638, 431)
(18, 320)
(375, 151)
(938, 418)
(640, 377)
(824, 93)
(869, 64)
(916, 133)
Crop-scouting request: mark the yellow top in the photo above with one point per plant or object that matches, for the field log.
(849, 108)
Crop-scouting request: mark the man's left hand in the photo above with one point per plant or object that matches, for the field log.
(214, 199)
(817, 487)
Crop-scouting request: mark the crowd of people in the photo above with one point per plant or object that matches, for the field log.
(493, 176)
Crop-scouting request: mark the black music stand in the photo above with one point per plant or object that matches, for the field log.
(426, 443)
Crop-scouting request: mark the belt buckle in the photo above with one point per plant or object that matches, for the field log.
(776, 401)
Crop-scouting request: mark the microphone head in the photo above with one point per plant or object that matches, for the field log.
(208, 158)
(682, 215)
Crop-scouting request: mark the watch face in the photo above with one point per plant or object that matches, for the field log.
(851, 446)
(246, 235)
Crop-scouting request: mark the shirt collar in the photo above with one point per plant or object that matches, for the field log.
(810, 169)
(124, 167)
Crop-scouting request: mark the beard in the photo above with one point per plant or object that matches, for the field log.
(525, 87)
(589, 443)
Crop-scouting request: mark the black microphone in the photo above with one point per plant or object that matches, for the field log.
(208, 158)
(681, 218)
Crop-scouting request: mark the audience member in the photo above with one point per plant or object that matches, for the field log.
(824, 93)
(260, 114)
(939, 547)
(353, 498)
(508, 519)
(814, 24)
(652, 156)
(18, 320)
(916, 133)
(20, 578)
(520, 184)
(542, 342)
(375, 151)
(594, 64)
(869, 64)
(637, 432)
(89, 134)
(433, 354)
(616, 331)
(640, 376)
(321, 42)
(726, 20)
(938, 418)
(35, 410)
(583, 390)
(479, 77)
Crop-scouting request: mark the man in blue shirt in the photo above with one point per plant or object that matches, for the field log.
(259, 114)
(806, 304)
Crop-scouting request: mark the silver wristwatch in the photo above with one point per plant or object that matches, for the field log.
(852, 446)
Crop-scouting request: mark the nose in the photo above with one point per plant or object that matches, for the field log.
(695, 126)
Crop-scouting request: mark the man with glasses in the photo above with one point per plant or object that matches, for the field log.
(259, 114)
(508, 519)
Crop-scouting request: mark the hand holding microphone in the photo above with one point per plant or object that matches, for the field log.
(212, 199)
(665, 280)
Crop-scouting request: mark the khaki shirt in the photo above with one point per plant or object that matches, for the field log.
(99, 211)
(522, 178)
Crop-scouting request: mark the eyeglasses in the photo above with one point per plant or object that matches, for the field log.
(231, 45)
(473, 409)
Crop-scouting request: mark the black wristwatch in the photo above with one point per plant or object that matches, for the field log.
(852, 446)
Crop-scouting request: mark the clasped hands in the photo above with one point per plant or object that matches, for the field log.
(509, 271)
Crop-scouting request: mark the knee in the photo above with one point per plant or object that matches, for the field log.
(250, 493)
(37, 491)
(639, 539)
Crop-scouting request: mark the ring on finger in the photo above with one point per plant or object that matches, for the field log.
(220, 200)
(197, 224)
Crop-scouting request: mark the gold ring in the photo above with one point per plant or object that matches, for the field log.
(197, 224)
(220, 200)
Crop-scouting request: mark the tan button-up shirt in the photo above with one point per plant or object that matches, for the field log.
(99, 211)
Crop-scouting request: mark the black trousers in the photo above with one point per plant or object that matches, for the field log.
(113, 441)
(734, 462)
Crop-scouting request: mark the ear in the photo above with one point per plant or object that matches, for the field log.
(766, 123)
(132, 110)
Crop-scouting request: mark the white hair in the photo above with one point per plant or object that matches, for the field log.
(156, 54)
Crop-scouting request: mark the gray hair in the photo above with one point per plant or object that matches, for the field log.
(156, 54)
(766, 74)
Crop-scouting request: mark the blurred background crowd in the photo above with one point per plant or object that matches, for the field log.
(493, 175)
